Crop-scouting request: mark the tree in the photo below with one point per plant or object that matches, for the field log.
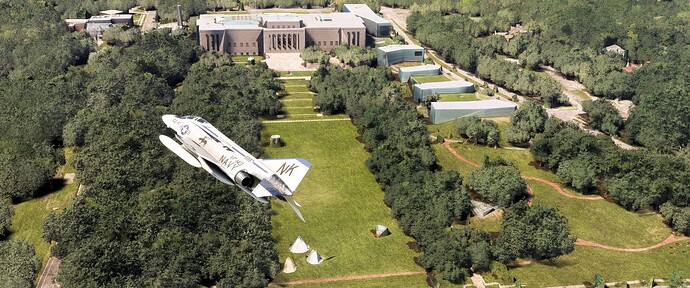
(499, 184)
(18, 259)
(602, 115)
(537, 232)
(6, 213)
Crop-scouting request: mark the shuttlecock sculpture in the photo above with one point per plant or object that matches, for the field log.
(299, 246)
(382, 231)
(289, 266)
(314, 258)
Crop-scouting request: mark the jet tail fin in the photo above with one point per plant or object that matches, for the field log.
(293, 204)
(290, 170)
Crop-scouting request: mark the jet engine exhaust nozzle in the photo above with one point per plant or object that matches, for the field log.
(243, 178)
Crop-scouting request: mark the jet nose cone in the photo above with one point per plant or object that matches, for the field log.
(168, 120)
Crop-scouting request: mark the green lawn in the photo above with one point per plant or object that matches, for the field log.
(296, 89)
(245, 58)
(342, 203)
(598, 221)
(407, 64)
(296, 73)
(584, 262)
(298, 102)
(299, 110)
(458, 97)
(69, 157)
(292, 81)
(430, 78)
(292, 96)
(397, 281)
(27, 222)
(580, 94)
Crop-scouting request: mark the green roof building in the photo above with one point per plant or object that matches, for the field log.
(442, 112)
(405, 73)
(393, 54)
(420, 91)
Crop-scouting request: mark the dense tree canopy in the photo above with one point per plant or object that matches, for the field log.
(526, 122)
(478, 130)
(18, 264)
(603, 116)
(533, 232)
(177, 226)
(498, 182)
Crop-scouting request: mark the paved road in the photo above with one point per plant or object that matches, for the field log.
(49, 273)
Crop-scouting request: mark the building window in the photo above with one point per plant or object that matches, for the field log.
(234, 44)
(241, 44)
(331, 42)
(319, 43)
(246, 44)
(417, 53)
(253, 44)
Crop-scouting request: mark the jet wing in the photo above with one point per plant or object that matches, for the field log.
(290, 170)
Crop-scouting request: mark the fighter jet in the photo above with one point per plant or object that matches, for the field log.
(205, 147)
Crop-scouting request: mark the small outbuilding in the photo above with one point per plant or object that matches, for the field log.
(289, 266)
(374, 24)
(393, 54)
(405, 73)
(382, 231)
(299, 246)
(482, 209)
(420, 91)
(442, 112)
(314, 258)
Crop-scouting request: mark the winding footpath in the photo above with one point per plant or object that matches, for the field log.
(671, 238)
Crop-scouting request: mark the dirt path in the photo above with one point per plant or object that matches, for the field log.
(671, 238)
(347, 278)
(561, 191)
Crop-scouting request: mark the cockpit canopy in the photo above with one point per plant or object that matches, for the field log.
(196, 118)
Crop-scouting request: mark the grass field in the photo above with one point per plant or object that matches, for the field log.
(292, 81)
(430, 78)
(598, 221)
(397, 281)
(296, 73)
(457, 97)
(580, 94)
(342, 203)
(245, 58)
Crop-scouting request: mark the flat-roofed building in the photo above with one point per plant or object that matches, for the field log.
(376, 25)
(441, 112)
(278, 33)
(97, 24)
(393, 54)
(405, 73)
(421, 91)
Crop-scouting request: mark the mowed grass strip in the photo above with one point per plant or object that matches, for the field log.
(296, 73)
(457, 97)
(292, 82)
(292, 96)
(584, 262)
(341, 203)
(430, 78)
(598, 221)
(299, 110)
(294, 89)
(395, 281)
(296, 102)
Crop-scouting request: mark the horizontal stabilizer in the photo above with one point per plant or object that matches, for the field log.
(290, 170)
(179, 151)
